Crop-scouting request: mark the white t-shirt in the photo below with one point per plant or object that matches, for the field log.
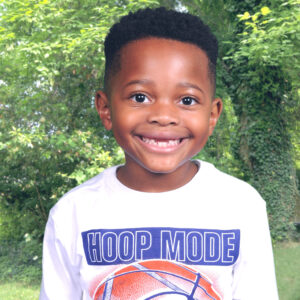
(208, 239)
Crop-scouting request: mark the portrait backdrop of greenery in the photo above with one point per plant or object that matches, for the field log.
(51, 139)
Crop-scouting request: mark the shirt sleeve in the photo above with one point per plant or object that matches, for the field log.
(254, 273)
(60, 278)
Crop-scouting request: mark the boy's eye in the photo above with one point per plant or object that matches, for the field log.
(140, 98)
(188, 101)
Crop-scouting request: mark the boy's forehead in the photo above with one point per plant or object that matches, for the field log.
(149, 50)
(161, 62)
(147, 43)
(154, 54)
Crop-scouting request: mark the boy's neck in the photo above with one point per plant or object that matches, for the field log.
(143, 180)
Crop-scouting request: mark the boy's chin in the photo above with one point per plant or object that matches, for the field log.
(149, 165)
(163, 168)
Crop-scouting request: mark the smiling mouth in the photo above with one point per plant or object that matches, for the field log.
(163, 143)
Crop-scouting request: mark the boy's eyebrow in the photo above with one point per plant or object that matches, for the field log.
(188, 84)
(139, 81)
(148, 81)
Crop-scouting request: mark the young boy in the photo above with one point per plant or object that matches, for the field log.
(161, 226)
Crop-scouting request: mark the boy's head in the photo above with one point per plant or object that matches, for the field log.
(159, 98)
(159, 23)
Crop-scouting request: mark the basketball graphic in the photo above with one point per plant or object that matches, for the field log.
(155, 279)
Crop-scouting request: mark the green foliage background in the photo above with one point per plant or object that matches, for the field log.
(265, 101)
(51, 139)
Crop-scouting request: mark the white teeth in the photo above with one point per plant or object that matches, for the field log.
(161, 143)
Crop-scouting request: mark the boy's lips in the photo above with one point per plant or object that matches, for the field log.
(161, 143)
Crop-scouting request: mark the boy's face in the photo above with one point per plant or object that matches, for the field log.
(160, 106)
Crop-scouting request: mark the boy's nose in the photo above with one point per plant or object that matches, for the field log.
(163, 114)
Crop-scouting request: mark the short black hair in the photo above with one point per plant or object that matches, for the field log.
(160, 23)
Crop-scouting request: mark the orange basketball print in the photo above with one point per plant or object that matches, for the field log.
(155, 279)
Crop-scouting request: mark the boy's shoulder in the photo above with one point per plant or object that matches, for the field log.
(225, 186)
(87, 191)
(95, 183)
(216, 176)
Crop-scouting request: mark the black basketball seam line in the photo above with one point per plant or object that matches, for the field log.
(195, 273)
(168, 292)
(163, 281)
(195, 283)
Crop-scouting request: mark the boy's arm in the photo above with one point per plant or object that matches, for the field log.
(254, 274)
(59, 277)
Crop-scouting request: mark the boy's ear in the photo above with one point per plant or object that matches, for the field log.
(103, 109)
(217, 107)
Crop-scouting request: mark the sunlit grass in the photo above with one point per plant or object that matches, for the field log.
(287, 263)
(18, 291)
